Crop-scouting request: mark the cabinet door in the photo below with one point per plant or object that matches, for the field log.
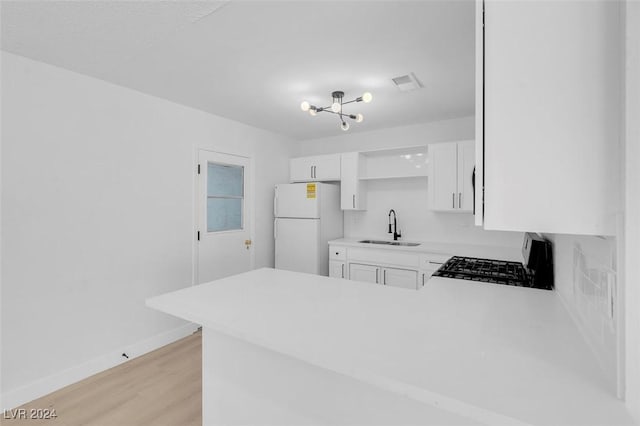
(443, 177)
(336, 269)
(425, 276)
(352, 189)
(326, 167)
(551, 116)
(466, 162)
(301, 169)
(365, 273)
(403, 278)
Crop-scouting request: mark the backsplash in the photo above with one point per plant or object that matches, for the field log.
(594, 281)
(409, 198)
(586, 277)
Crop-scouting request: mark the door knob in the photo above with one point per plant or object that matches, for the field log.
(247, 243)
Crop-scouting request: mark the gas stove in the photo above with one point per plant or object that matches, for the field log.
(486, 270)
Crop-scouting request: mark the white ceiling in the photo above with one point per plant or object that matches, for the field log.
(256, 61)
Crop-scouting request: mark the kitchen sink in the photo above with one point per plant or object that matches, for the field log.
(390, 243)
(375, 242)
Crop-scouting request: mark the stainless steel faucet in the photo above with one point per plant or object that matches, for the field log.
(395, 232)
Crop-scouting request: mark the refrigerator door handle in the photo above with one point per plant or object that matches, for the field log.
(275, 205)
(275, 229)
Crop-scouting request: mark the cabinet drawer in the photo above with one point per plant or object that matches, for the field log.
(433, 261)
(337, 253)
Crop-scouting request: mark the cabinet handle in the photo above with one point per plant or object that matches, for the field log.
(435, 263)
(377, 281)
(311, 172)
(354, 200)
(315, 172)
(453, 200)
(384, 277)
(342, 269)
(423, 280)
(459, 200)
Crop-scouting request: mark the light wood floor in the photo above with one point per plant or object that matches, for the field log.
(163, 387)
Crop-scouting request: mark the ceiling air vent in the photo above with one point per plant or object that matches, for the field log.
(407, 83)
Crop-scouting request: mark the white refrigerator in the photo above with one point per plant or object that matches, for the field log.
(307, 217)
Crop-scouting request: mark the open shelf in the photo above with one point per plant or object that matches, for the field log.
(395, 163)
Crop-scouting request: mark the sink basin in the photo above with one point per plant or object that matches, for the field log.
(376, 242)
(400, 243)
(390, 243)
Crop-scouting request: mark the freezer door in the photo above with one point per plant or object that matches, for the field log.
(300, 200)
(297, 244)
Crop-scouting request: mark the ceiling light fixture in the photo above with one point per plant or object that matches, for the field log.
(337, 103)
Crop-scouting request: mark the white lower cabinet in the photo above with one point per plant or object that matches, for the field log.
(425, 276)
(404, 278)
(337, 269)
(390, 267)
(365, 273)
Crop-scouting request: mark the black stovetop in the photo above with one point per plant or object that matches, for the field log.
(485, 270)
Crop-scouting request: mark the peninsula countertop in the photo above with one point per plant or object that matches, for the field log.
(496, 354)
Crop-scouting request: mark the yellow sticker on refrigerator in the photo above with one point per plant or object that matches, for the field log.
(311, 190)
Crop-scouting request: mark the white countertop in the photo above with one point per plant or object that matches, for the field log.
(497, 354)
(469, 250)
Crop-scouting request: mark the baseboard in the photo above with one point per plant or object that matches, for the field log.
(39, 388)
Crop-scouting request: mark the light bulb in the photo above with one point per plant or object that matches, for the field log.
(367, 97)
(359, 118)
(336, 107)
(305, 106)
(344, 126)
(313, 112)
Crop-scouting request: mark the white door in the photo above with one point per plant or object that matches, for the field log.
(297, 244)
(336, 269)
(225, 208)
(443, 178)
(297, 200)
(403, 278)
(466, 163)
(365, 273)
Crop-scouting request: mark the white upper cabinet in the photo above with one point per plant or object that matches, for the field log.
(466, 163)
(551, 126)
(352, 190)
(315, 169)
(450, 178)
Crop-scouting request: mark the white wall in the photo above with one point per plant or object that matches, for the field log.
(97, 216)
(408, 196)
(632, 209)
(582, 266)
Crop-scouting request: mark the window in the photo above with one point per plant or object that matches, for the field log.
(225, 197)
